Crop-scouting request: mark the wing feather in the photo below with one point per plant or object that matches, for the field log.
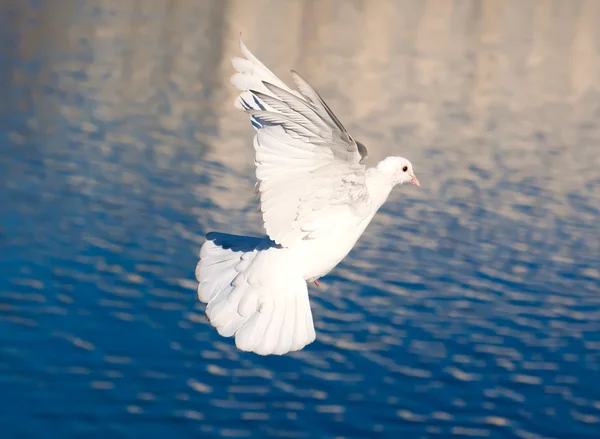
(310, 170)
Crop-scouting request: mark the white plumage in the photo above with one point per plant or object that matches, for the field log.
(316, 199)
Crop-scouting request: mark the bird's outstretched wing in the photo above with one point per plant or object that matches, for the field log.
(310, 170)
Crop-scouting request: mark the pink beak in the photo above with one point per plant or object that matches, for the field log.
(415, 181)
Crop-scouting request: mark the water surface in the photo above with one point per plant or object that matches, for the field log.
(470, 308)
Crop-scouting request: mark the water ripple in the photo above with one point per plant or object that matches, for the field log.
(470, 308)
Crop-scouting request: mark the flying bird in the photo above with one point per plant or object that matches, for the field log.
(316, 198)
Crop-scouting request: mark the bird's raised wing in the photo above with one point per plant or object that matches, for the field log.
(310, 170)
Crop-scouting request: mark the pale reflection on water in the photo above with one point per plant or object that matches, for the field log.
(471, 308)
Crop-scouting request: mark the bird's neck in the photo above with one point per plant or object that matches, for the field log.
(379, 184)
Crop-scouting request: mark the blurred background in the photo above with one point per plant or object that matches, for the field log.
(470, 308)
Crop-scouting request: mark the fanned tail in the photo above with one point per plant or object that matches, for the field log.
(251, 294)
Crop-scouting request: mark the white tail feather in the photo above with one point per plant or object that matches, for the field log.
(252, 295)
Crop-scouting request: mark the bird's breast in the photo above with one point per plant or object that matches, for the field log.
(320, 255)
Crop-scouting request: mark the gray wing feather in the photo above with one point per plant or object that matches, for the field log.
(319, 104)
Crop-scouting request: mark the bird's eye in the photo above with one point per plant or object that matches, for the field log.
(405, 169)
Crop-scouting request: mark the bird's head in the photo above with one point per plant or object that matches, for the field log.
(399, 170)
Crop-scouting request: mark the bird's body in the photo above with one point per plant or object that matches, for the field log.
(315, 258)
(316, 197)
(319, 256)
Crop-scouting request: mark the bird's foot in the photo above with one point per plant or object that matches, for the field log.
(317, 283)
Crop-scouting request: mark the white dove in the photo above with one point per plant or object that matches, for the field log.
(316, 199)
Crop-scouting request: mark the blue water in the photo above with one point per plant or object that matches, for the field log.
(470, 308)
